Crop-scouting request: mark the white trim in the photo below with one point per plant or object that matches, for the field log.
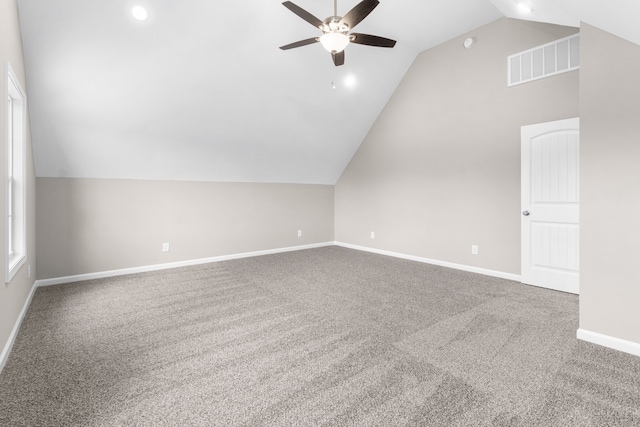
(609, 341)
(156, 267)
(14, 261)
(16, 327)
(471, 269)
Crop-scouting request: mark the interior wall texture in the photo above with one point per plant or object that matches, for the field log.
(609, 185)
(94, 225)
(14, 295)
(439, 170)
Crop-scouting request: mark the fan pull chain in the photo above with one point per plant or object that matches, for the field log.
(335, 7)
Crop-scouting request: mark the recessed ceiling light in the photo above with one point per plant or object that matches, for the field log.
(350, 81)
(525, 8)
(140, 13)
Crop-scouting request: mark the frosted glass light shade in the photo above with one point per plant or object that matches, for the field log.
(334, 42)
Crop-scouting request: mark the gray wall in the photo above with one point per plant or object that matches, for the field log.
(609, 185)
(14, 295)
(440, 169)
(94, 225)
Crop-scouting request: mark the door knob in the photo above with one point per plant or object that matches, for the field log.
(525, 213)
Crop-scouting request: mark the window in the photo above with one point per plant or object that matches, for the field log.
(547, 60)
(15, 213)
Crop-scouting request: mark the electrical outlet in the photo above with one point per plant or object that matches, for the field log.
(165, 247)
(474, 249)
(373, 234)
(299, 233)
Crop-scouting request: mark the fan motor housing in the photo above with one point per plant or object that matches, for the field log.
(332, 25)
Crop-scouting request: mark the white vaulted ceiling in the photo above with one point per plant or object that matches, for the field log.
(200, 91)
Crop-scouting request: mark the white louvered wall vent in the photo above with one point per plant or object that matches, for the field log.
(543, 61)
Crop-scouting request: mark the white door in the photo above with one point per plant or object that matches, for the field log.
(550, 205)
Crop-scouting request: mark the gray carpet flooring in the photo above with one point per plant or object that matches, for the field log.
(327, 336)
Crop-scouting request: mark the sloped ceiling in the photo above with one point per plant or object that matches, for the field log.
(618, 17)
(200, 91)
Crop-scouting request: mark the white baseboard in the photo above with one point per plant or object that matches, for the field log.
(471, 269)
(16, 327)
(609, 341)
(156, 267)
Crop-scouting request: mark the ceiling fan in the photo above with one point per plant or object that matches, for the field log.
(335, 29)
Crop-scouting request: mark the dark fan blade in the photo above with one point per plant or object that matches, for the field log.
(300, 43)
(303, 14)
(338, 58)
(370, 40)
(359, 12)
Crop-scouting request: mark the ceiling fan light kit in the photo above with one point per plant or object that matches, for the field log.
(335, 29)
(334, 42)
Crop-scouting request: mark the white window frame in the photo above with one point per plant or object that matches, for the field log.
(572, 57)
(15, 178)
